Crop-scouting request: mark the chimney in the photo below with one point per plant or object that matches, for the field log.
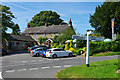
(46, 24)
(28, 26)
(70, 22)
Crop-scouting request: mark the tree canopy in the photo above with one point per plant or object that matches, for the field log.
(7, 16)
(101, 19)
(16, 29)
(50, 17)
(65, 35)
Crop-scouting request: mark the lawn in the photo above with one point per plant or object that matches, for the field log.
(107, 53)
(101, 69)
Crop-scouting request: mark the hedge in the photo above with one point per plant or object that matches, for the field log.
(97, 47)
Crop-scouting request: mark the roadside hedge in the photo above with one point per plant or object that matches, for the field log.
(97, 47)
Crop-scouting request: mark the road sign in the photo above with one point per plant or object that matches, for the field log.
(90, 38)
(79, 37)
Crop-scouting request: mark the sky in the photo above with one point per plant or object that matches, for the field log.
(78, 12)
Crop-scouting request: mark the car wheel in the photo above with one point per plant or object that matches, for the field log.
(37, 54)
(70, 55)
(54, 56)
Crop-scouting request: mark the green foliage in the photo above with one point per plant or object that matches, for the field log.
(118, 37)
(65, 35)
(107, 54)
(97, 47)
(101, 19)
(6, 19)
(101, 70)
(52, 18)
(54, 45)
(60, 46)
(81, 43)
(16, 29)
(67, 46)
(42, 40)
(71, 43)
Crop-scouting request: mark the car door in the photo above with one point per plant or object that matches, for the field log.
(57, 52)
(63, 52)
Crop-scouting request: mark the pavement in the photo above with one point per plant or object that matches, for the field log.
(24, 66)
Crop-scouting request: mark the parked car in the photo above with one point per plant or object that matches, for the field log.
(58, 52)
(43, 54)
(37, 52)
(37, 46)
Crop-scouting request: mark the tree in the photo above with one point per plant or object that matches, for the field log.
(6, 19)
(16, 29)
(65, 35)
(101, 19)
(52, 18)
(118, 36)
(42, 40)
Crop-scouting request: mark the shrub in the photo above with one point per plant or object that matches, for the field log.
(97, 47)
(71, 43)
(54, 45)
(60, 46)
(67, 46)
(71, 49)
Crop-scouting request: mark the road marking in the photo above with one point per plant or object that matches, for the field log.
(1, 78)
(24, 61)
(67, 58)
(67, 65)
(22, 70)
(49, 59)
(11, 71)
(45, 67)
(56, 59)
(33, 69)
(56, 66)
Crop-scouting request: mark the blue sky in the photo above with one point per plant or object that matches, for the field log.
(79, 12)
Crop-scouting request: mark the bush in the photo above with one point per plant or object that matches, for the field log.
(67, 46)
(97, 47)
(55, 45)
(71, 43)
(71, 49)
(60, 46)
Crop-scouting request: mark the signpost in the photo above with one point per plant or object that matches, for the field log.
(113, 29)
(88, 38)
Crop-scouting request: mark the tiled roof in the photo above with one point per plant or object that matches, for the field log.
(43, 29)
(21, 38)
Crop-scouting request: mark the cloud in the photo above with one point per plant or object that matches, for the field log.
(19, 6)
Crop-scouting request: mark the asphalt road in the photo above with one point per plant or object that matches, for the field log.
(25, 66)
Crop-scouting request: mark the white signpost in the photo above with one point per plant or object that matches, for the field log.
(88, 38)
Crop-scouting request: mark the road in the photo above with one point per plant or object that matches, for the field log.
(25, 66)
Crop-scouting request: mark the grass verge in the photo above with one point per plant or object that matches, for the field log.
(101, 69)
(107, 54)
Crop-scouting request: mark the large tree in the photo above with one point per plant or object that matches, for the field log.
(6, 18)
(65, 35)
(101, 19)
(50, 17)
(16, 29)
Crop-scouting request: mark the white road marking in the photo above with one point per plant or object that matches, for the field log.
(67, 65)
(67, 58)
(22, 70)
(56, 59)
(45, 67)
(33, 69)
(50, 59)
(56, 66)
(11, 71)
(24, 61)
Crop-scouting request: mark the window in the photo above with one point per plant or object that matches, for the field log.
(39, 50)
(27, 34)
